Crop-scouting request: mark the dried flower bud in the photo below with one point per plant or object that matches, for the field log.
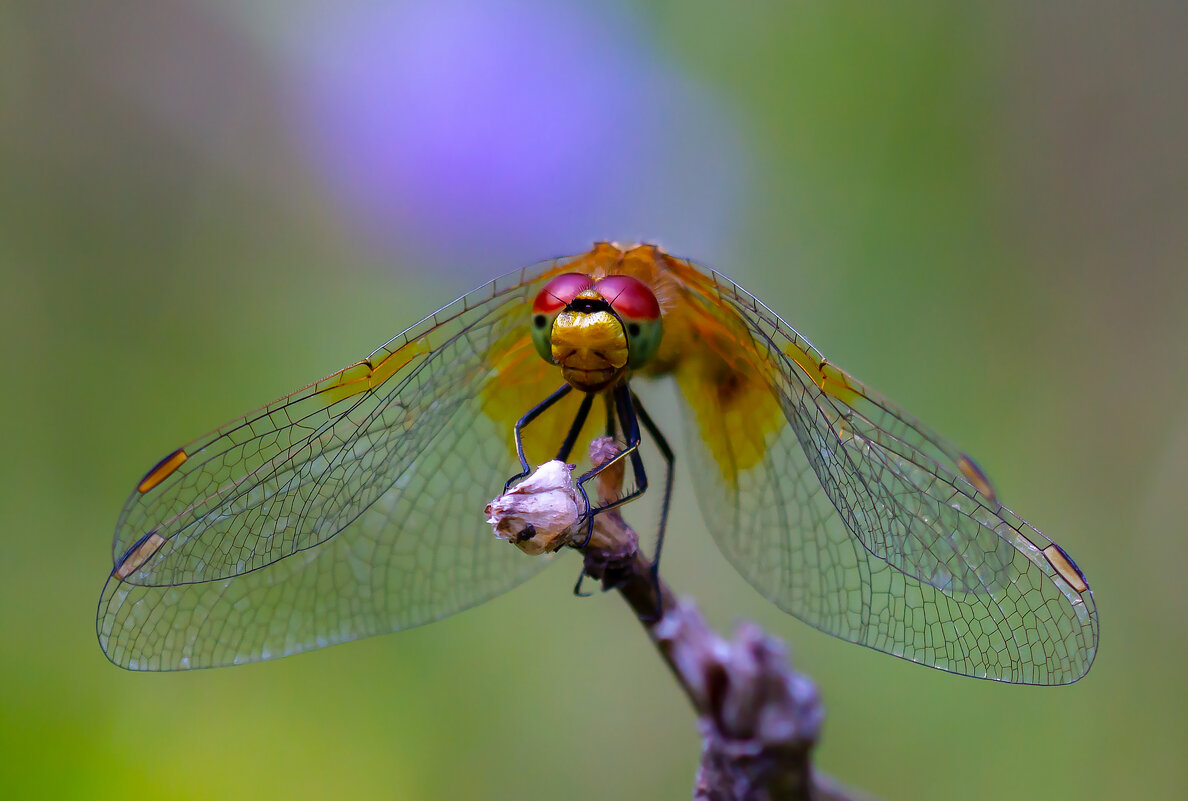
(536, 514)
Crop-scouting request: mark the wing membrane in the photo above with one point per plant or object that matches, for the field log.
(347, 509)
(857, 520)
(350, 508)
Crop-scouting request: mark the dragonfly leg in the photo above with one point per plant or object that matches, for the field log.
(669, 459)
(610, 416)
(631, 427)
(631, 413)
(587, 515)
(533, 413)
(575, 429)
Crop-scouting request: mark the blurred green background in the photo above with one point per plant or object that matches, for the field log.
(979, 209)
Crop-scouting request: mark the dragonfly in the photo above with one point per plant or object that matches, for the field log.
(353, 507)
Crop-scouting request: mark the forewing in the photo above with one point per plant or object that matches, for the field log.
(860, 521)
(353, 507)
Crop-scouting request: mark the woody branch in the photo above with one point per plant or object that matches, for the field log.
(758, 719)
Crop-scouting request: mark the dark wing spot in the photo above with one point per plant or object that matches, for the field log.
(729, 383)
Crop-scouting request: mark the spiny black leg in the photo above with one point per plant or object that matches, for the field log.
(532, 414)
(627, 411)
(624, 400)
(627, 416)
(631, 427)
(587, 515)
(670, 459)
(610, 415)
(575, 429)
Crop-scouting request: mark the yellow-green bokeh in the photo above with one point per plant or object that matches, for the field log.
(977, 209)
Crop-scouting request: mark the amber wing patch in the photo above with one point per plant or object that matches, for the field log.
(162, 470)
(725, 384)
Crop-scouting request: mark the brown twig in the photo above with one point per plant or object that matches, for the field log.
(759, 719)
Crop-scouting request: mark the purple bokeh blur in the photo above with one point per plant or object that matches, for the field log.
(485, 133)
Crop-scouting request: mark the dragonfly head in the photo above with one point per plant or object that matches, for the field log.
(597, 331)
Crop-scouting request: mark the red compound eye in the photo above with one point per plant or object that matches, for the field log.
(629, 296)
(559, 291)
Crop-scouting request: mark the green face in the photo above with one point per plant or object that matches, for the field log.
(542, 329)
(643, 340)
(636, 313)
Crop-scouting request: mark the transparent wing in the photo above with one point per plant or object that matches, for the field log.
(350, 508)
(851, 515)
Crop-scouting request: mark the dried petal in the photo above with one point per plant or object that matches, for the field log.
(536, 514)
